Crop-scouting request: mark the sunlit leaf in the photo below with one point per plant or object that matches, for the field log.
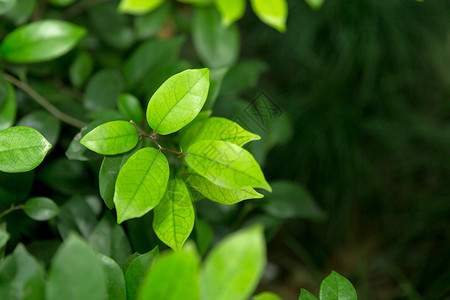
(272, 12)
(41, 208)
(336, 286)
(266, 296)
(315, 4)
(138, 7)
(231, 10)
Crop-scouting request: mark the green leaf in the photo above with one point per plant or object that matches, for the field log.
(80, 69)
(149, 25)
(4, 237)
(45, 123)
(174, 216)
(231, 10)
(226, 165)
(61, 3)
(40, 208)
(178, 101)
(216, 77)
(315, 4)
(76, 216)
(6, 5)
(110, 239)
(115, 282)
(290, 200)
(217, 128)
(272, 12)
(103, 90)
(15, 187)
(219, 194)
(75, 273)
(21, 276)
(141, 183)
(336, 286)
(173, 277)
(130, 107)
(40, 41)
(234, 267)
(137, 270)
(266, 296)
(21, 149)
(4, 90)
(197, 2)
(8, 109)
(204, 235)
(21, 11)
(139, 7)
(111, 138)
(305, 295)
(216, 45)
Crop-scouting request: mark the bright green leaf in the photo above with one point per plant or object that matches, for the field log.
(137, 270)
(234, 267)
(226, 165)
(75, 273)
(130, 107)
(8, 109)
(217, 128)
(81, 69)
(61, 3)
(216, 45)
(174, 216)
(6, 5)
(272, 12)
(112, 138)
(336, 286)
(173, 277)
(115, 282)
(45, 123)
(231, 10)
(21, 149)
(40, 41)
(139, 7)
(305, 295)
(219, 194)
(315, 4)
(40, 208)
(178, 101)
(266, 296)
(103, 90)
(141, 183)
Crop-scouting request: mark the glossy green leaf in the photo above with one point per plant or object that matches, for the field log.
(21, 149)
(8, 109)
(266, 296)
(103, 90)
(290, 200)
(76, 216)
(174, 216)
(6, 5)
(139, 7)
(111, 138)
(148, 25)
(141, 183)
(75, 273)
(315, 4)
(130, 107)
(45, 123)
(137, 270)
(40, 208)
(226, 165)
(231, 10)
(216, 45)
(219, 194)
(217, 128)
(115, 282)
(272, 12)
(234, 267)
(21, 276)
(110, 239)
(178, 101)
(336, 286)
(173, 277)
(81, 68)
(305, 295)
(40, 41)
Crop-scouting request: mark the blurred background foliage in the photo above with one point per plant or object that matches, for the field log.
(358, 152)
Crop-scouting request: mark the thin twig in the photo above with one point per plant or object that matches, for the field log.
(44, 102)
(10, 210)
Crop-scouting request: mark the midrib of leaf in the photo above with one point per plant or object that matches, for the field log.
(114, 137)
(22, 148)
(156, 129)
(173, 224)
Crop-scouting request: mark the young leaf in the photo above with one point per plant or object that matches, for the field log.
(178, 101)
(231, 10)
(40, 208)
(139, 7)
(130, 107)
(40, 41)
(75, 273)
(226, 165)
(141, 183)
(137, 270)
(305, 295)
(115, 282)
(21, 149)
(336, 286)
(111, 138)
(8, 109)
(174, 216)
(173, 277)
(219, 194)
(266, 296)
(217, 128)
(272, 12)
(234, 267)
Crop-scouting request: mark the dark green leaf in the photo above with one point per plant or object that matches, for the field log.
(305, 295)
(216, 77)
(204, 234)
(130, 107)
(21, 11)
(61, 2)
(80, 69)
(15, 187)
(148, 25)
(4, 237)
(4, 90)
(137, 270)
(103, 90)
(8, 109)
(76, 216)
(6, 5)
(45, 123)
(115, 282)
(336, 286)
(40, 208)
